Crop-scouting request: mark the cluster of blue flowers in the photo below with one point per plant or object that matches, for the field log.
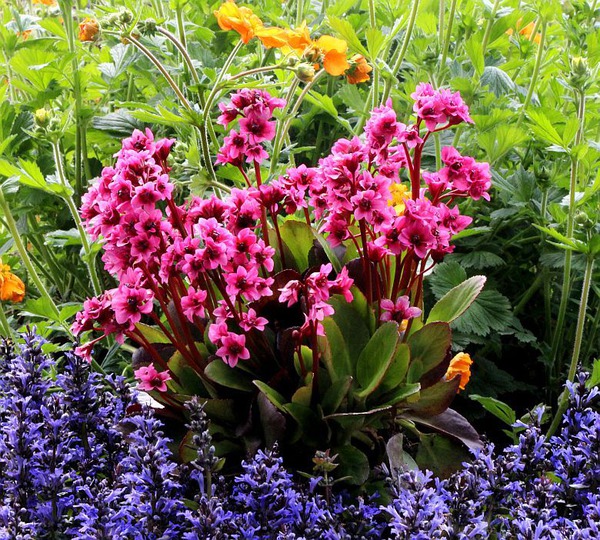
(78, 459)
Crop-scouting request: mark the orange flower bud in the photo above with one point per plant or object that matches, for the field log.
(88, 29)
(460, 366)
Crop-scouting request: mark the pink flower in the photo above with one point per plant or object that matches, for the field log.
(233, 348)
(193, 303)
(417, 235)
(342, 284)
(257, 128)
(131, 303)
(243, 282)
(150, 379)
(290, 292)
(398, 311)
(250, 321)
(366, 202)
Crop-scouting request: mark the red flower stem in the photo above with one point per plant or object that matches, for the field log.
(397, 273)
(407, 270)
(137, 336)
(315, 367)
(186, 329)
(218, 280)
(263, 210)
(415, 173)
(175, 216)
(279, 240)
(162, 301)
(366, 262)
(241, 169)
(409, 162)
(307, 217)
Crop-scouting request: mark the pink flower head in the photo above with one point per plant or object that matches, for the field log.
(257, 128)
(131, 303)
(150, 379)
(251, 321)
(290, 292)
(193, 303)
(410, 136)
(383, 126)
(398, 311)
(366, 202)
(417, 235)
(342, 285)
(233, 348)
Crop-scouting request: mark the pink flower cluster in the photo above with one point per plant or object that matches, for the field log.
(313, 292)
(150, 379)
(256, 110)
(439, 107)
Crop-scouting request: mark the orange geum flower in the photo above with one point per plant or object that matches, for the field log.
(12, 289)
(241, 19)
(359, 69)
(460, 366)
(299, 38)
(272, 37)
(88, 29)
(526, 31)
(45, 2)
(334, 54)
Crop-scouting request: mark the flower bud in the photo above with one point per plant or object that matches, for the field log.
(305, 72)
(580, 73)
(147, 27)
(125, 16)
(42, 117)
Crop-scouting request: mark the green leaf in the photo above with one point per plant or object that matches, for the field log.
(223, 374)
(440, 455)
(543, 128)
(594, 379)
(298, 237)
(345, 29)
(497, 80)
(400, 394)
(335, 394)
(335, 352)
(430, 345)
(352, 464)
(498, 408)
(311, 428)
(456, 301)
(451, 424)
(273, 395)
(398, 368)
(304, 393)
(474, 49)
(437, 398)
(476, 259)
(152, 334)
(376, 357)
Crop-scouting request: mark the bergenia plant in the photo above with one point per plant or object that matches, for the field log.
(294, 305)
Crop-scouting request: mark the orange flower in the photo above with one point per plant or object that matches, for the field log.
(334, 54)
(273, 37)
(45, 2)
(25, 34)
(299, 38)
(460, 365)
(359, 69)
(12, 289)
(241, 19)
(526, 31)
(88, 29)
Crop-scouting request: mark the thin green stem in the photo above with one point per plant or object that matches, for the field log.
(181, 47)
(80, 158)
(20, 247)
(163, 71)
(89, 259)
(566, 284)
(490, 24)
(441, 14)
(446, 45)
(564, 398)
(4, 326)
(536, 72)
(397, 63)
(207, 128)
